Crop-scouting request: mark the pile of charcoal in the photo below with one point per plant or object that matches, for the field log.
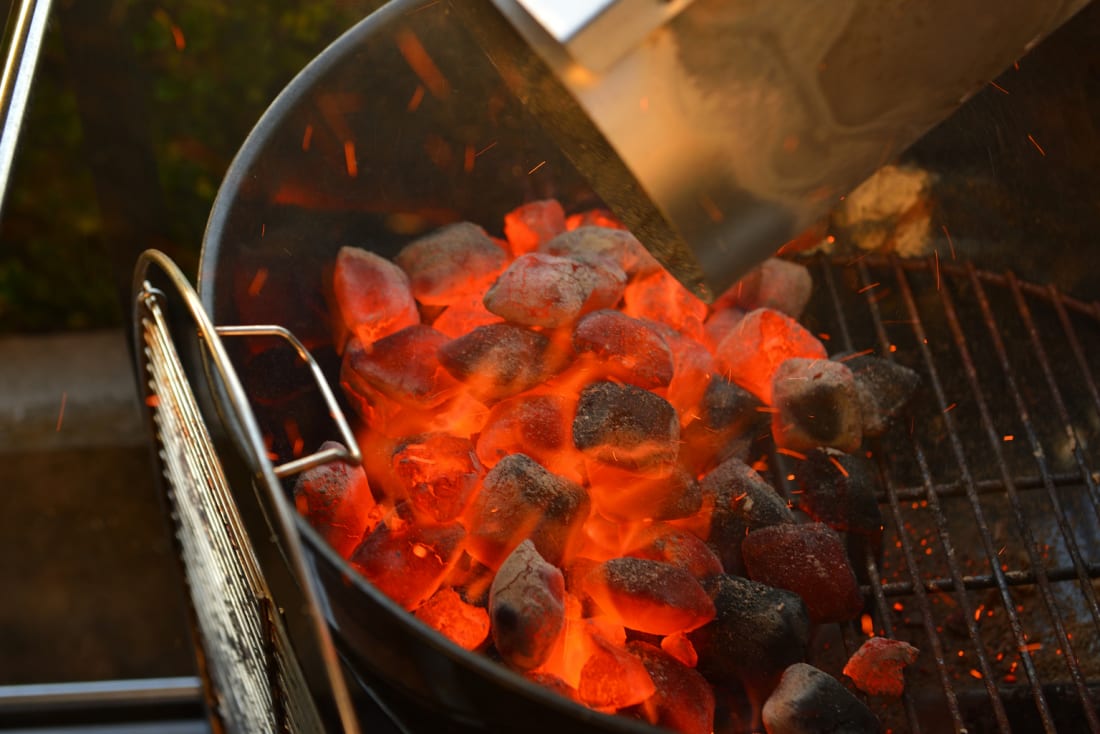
(559, 446)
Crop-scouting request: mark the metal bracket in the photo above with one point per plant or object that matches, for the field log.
(351, 454)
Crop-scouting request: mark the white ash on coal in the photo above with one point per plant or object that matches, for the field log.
(499, 360)
(372, 295)
(816, 405)
(403, 366)
(521, 500)
(756, 633)
(810, 701)
(439, 265)
(337, 500)
(884, 388)
(546, 290)
(626, 426)
(627, 349)
(527, 608)
(604, 246)
(777, 284)
(649, 596)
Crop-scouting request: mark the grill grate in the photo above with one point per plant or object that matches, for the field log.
(267, 665)
(992, 548)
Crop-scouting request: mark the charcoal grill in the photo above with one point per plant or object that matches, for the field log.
(988, 484)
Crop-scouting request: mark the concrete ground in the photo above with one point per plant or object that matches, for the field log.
(91, 591)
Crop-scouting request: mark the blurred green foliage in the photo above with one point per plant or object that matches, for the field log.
(207, 70)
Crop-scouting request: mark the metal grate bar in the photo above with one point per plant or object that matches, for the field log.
(1056, 393)
(938, 514)
(1087, 308)
(883, 614)
(907, 548)
(1074, 343)
(946, 544)
(991, 486)
(986, 581)
(984, 533)
(1036, 447)
(187, 456)
(995, 442)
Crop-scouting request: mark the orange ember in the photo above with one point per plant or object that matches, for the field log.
(878, 666)
(464, 624)
(752, 352)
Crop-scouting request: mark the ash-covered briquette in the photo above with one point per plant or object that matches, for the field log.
(551, 291)
(536, 425)
(526, 607)
(612, 678)
(810, 701)
(729, 407)
(816, 405)
(659, 297)
(439, 473)
(403, 366)
(878, 666)
(729, 421)
(372, 294)
(604, 245)
(464, 315)
(719, 324)
(533, 224)
(776, 283)
(838, 489)
(622, 495)
(692, 368)
(757, 632)
(408, 561)
(337, 501)
(649, 596)
(751, 353)
(661, 541)
(741, 502)
(500, 360)
(683, 702)
(628, 349)
(462, 623)
(519, 500)
(626, 426)
(449, 262)
(809, 560)
(884, 389)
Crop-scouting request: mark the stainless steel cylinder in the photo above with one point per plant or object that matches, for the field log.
(743, 121)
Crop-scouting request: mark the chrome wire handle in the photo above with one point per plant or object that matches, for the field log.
(254, 681)
(23, 45)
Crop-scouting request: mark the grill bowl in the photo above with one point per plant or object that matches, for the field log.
(340, 159)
